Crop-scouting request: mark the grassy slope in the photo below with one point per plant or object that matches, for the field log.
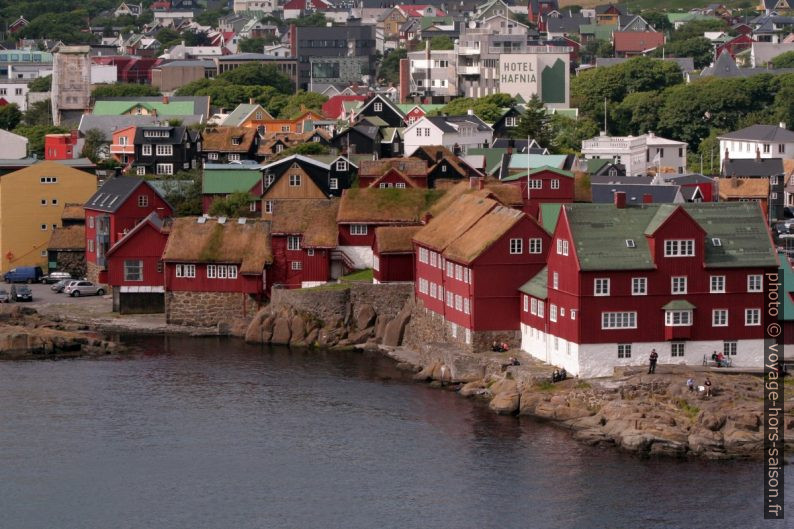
(661, 5)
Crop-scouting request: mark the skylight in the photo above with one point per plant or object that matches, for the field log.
(630, 243)
(716, 242)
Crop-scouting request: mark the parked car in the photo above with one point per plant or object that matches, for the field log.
(23, 274)
(54, 277)
(83, 288)
(60, 285)
(21, 293)
(4, 297)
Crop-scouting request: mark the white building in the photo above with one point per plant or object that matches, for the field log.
(765, 141)
(15, 91)
(264, 6)
(637, 153)
(457, 133)
(12, 146)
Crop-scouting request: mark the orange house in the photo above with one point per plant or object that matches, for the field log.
(122, 149)
(297, 124)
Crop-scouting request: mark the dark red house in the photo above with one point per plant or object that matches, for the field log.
(135, 267)
(393, 254)
(115, 209)
(685, 280)
(468, 258)
(543, 185)
(736, 45)
(304, 235)
(215, 269)
(130, 68)
(334, 108)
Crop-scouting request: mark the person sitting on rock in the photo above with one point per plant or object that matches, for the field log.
(555, 376)
(495, 347)
(563, 374)
(505, 347)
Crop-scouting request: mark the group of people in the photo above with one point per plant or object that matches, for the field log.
(497, 347)
(690, 384)
(559, 375)
(721, 359)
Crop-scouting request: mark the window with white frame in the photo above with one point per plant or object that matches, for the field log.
(433, 259)
(536, 245)
(624, 350)
(90, 245)
(133, 270)
(752, 317)
(564, 247)
(458, 272)
(679, 248)
(234, 157)
(510, 121)
(423, 255)
(533, 307)
(678, 285)
(333, 183)
(526, 303)
(212, 271)
(423, 286)
(433, 290)
(186, 270)
(140, 170)
(268, 206)
(143, 201)
(450, 269)
(541, 309)
(146, 150)
(754, 283)
(555, 183)
(466, 275)
(450, 299)
(458, 303)
(729, 347)
(516, 246)
(555, 280)
(164, 150)
(466, 306)
(678, 318)
(293, 242)
(297, 265)
(639, 286)
(341, 165)
(717, 285)
(601, 287)
(535, 183)
(553, 312)
(719, 318)
(619, 320)
(378, 107)
(165, 168)
(677, 349)
(573, 314)
(358, 229)
(212, 156)
(294, 180)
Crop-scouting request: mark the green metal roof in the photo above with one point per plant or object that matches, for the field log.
(239, 114)
(679, 304)
(493, 157)
(537, 287)
(595, 165)
(549, 215)
(600, 232)
(431, 21)
(426, 107)
(599, 31)
(534, 161)
(556, 170)
(225, 181)
(787, 314)
(117, 108)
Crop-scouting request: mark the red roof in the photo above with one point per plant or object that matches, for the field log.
(418, 10)
(301, 4)
(333, 107)
(3, 102)
(637, 41)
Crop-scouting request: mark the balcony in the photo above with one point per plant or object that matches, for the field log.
(468, 51)
(468, 70)
(116, 148)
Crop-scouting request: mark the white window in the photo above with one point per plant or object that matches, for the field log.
(48, 180)
(526, 303)
(165, 168)
(752, 317)
(231, 271)
(535, 183)
(140, 170)
(285, 128)
(555, 280)
(234, 157)
(333, 183)
(146, 150)
(678, 285)
(754, 283)
(54, 201)
(296, 265)
(186, 270)
(458, 302)
(555, 183)
(378, 107)
(43, 202)
(677, 349)
(729, 348)
(510, 121)
(533, 307)
(294, 180)
(143, 201)
(90, 245)
(358, 229)
(639, 286)
(678, 318)
(679, 248)
(601, 287)
(466, 306)
(516, 246)
(618, 320)
(466, 275)
(422, 254)
(341, 165)
(122, 140)
(553, 312)
(43, 227)
(624, 350)
(434, 259)
(212, 271)
(573, 314)
(400, 185)
(164, 150)
(279, 148)
(268, 206)
(717, 285)
(541, 309)
(433, 290)
(536, 245)
(133, 270)
(719, 318)
(293, 242)
(450, 299)
(458, 272)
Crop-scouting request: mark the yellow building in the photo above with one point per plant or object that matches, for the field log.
(31, 205)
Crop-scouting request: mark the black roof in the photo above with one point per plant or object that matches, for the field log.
(620, 179)
(683, 179)
(660, 194)
(175, 136)
(113, 193)
(753, 167)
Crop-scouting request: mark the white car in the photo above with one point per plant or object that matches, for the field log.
(83, 288)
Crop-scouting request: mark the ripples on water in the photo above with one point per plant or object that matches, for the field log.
(196, 433)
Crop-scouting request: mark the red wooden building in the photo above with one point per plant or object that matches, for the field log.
(304, 236)
(60, 146)
(135, 267)
(686, 280)
(736, 45)
(113, 210)
(393, 254)
(215, 269)
(543, 185)
(468, 260)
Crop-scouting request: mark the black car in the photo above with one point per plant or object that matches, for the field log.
(4, 297)
(21, 293)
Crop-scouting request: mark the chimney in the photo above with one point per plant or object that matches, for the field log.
(782, 124)
(647, 198)
(251, 101)
(427, 217)
(470, 112)
(734, 182)
(165, 100)
(620, 199)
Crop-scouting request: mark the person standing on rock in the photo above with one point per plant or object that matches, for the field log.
(690, 384)
(707, 383)
(654, 357)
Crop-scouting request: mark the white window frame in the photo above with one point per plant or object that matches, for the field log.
(333, 183)
(377, 106)
(533, 306)
(684, 318)
(127, 268)
(755, 283)
(717, 285)
(678, 285)
(341, 165)
(516, 246)
(293, 242)
(553, 312)
(294, 180)
(146, 149)
(752, 317)
(358, 229)
(639, 286)
(618, 320)
(624, 350)
(555, 280)
(679, 248)
(164, 168)
(536, 245)
(719, 318)
(677, 349)
(164, 150)
(601, 286)
(555, 183)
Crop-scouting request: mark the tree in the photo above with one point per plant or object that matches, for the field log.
(637, 114)
(35, 135)
(784, 60)
(94, 138)
(699, 48)
(297, 103)
(441, 42)
(389, 70)
(534, 123)
(696, 28)
(10, 116)
(658, 20)
(226, 95)
(66, 27)
(41, 84)
(196, 38)
(168, 37)
(307, 149)
(488, 108)
(234, 205)
(252, 45)
(124, 90)
(183, 192)
(315, 19)
(567, 134)
(210, 17)
(258, 75)
(39, 113)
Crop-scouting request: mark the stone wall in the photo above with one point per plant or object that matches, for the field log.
(72, 262)
(92, 272)
(206, 309)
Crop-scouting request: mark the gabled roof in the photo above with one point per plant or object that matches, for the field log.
(769, 133)
(113, 193)
(637, 41)
(453, 221)
(599, 232)
(242, 112)
(739, 188)
(334, 107)
(247, 245)
(484, 233)
(385, 100)
(119, 107)
(176, 135)
(395, 239)
(67, 238)
(220, 139)
(752, 167)
(153, 219)
(635, 193)
(313, 219)
(73, 212)
(538, 286)
(407, 166)
(227, 181)
(385, 206)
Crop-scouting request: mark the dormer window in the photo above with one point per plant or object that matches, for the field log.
(237, 141)
(679, 248)
(716, 241)
(630, 243)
